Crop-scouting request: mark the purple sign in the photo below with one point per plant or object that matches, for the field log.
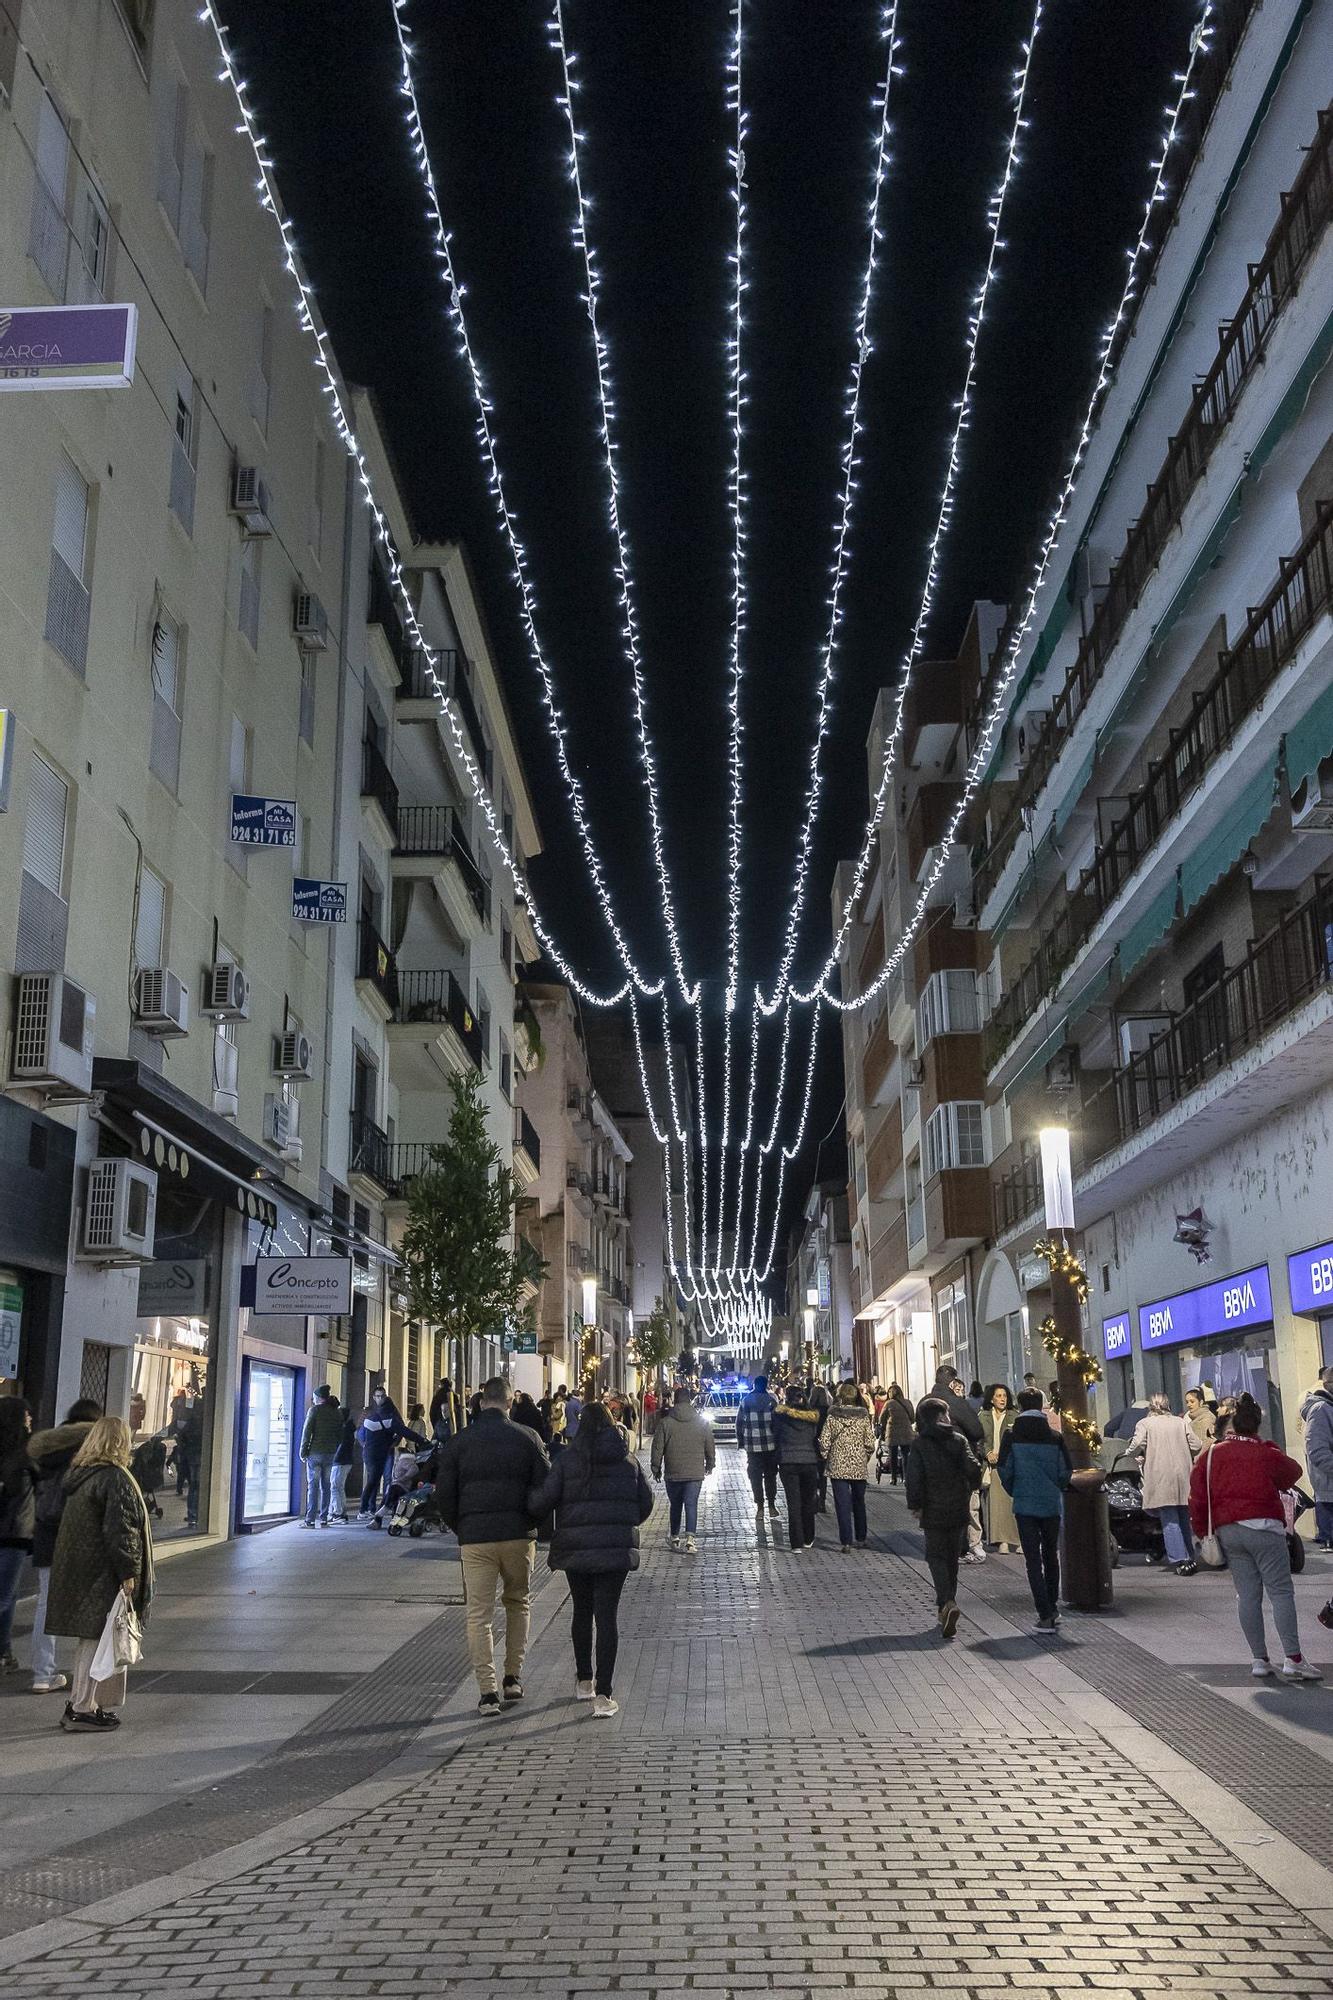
(1226, 1306)
(67, 347)
(1310, 1277)
(1115, 1337)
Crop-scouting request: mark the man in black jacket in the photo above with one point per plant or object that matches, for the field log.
(486, 1473)
(949, 1390)
(943, 1473)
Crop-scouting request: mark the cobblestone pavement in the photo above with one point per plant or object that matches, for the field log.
(804, 1793)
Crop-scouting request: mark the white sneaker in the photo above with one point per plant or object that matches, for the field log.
(1300, 1670)
(53, 1686)
(583, 1691)
(691, 1546)
(673, 1542)
(974, 1556)
(1262, 1670)
(603, 1706)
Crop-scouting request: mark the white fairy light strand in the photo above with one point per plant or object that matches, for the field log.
(624, 569)
(505, 516)
(1199, 46)
(846, 506)
(306, 310)
(738, 502)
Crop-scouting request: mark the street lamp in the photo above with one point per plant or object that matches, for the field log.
(1087, 1538)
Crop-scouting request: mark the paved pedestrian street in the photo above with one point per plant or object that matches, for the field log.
(804, 1793)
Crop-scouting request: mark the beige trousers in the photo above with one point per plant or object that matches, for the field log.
(486, 1564)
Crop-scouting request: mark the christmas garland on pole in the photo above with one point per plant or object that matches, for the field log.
(1070, 1353)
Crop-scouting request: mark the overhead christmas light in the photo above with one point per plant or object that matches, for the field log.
(1199, 46)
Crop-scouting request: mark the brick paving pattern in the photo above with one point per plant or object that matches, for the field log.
(805, 1793)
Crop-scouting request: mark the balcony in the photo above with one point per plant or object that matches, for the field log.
(884, 1156)
(528, 1045)
(420, 695)
(957, 1212)
(434, 1034)
(407, 1161)
(927, 823)
(876, 1063)
(578, 1103)
(579, 1189)
(951, 1070)
(379, 793)
(1242, 344)
(527, 1151)
(432, 846)
(872, 954)
(368, 1158)
(1245, 673)
(1017, 1193)
(888, 1258)
(376, 972)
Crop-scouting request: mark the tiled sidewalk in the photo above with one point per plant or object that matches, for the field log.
(804, 1793)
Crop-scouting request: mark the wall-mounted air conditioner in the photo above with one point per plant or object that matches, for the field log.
(226, 1078)
(293, 1054)
(161, 1003)
(226, 992)
(310, 622)
(119, 1213)
(1137, 1033)
(1029, 729)
(1312, 803)
(53, 1034)
(250, 501)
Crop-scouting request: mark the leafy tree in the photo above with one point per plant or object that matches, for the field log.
(462, 1274)
(652, 1343)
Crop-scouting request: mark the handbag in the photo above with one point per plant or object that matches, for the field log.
(119, 1648)
(1210, 1551)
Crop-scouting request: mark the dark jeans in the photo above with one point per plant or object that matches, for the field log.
(798, 1486)
(1323, 1520)
(374, 1465)
(11, 1569)
(762, 1467)
(1039, 1535)
(682, 1497)
(898, 1461)
(944, 1546)
(596, 1595)
(849, 1497)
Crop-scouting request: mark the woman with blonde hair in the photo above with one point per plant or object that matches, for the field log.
(104, 1546)
(1168, 1445)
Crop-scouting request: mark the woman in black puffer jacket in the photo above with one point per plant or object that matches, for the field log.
(600, 1496)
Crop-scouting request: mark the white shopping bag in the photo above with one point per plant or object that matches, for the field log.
(118, 1649)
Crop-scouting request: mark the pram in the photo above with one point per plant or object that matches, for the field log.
(148, 1465)
(413, 1508)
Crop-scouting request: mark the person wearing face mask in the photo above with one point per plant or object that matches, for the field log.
(380, 1428)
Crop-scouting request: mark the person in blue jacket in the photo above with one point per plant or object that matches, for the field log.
(380, 1428)
(1034, 1471)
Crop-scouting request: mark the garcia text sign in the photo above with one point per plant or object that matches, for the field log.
(67, 347)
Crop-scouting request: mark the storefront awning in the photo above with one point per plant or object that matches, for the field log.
(174, 1133)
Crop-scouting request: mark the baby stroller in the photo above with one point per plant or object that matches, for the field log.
(413, 1507)
(148, 1464)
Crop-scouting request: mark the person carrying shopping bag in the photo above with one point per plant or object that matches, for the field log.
(104, 1547)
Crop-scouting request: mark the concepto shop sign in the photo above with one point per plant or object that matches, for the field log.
(67, 347)
(298, 1285)
(1227, 1306)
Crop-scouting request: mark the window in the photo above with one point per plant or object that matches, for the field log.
(238, 780)
(48, 236)
(43, 913)
(317, 500)
(183, 454)
(955, 1137)
(90, 259)
(185, 179)
(261, 382)
(483, 1014)
(949, 1005)
(506, 1067)
(307, 709)
(150, 922)
(251, 552)
(507, 817)
(67, 601)
(164, 754)
(951, 1328)
(507, 946)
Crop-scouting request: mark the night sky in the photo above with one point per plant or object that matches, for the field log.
(323, 74)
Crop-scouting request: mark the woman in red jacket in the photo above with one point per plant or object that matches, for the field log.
(1240, 1482)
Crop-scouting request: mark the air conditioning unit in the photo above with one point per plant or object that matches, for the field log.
(161, 1002)
(226, 992)
(53, 1034)
(1062, 1070)
(250, 501)
(282, 1124)
(1137, 1032)
(1029, 729)
(1312, 803)
(119, 1213)
(293, 1054)
(310, 622)
(226, 1076)
(964, 913)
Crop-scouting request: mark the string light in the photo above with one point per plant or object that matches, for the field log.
(505, 517)
(739, 518)
(846, 507)
(979, 761)
(307, 316)
(963, 410)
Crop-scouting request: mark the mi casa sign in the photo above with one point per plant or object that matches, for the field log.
(1235, 1303)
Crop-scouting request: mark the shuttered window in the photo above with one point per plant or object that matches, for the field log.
(69, 537)
(48, 236)
(165, 744)
(44, 826)
(148, 929)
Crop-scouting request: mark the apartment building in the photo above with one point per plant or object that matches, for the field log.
(168, 681)
(614, 1065)
(1153, 867)
(819, 1286)
(918, 1199)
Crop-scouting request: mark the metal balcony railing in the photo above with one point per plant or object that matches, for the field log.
(437, 998)
(467, 708)
(438, 830)
(375, 962)
(528, 1139)
(407, 1160)
(369, 1151)
(416, 683)
(582, 1183)
(1245, 672)
(1017, 1193)
(1242, 344)
(377, 783)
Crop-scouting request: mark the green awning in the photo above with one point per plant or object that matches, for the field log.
(1219, 852)
(1150, 929)
(1091, 990)
(1310, 740)
(1296, 398)
(1047, 640)
(1068, 805)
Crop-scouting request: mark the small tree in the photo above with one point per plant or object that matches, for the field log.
(463, 1277)
(652, 1343)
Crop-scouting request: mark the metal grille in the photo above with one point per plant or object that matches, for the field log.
(30, 1027)
(164, 754)
(67, 608)
(95, 1371)
(182, 486)
(99, 1225)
